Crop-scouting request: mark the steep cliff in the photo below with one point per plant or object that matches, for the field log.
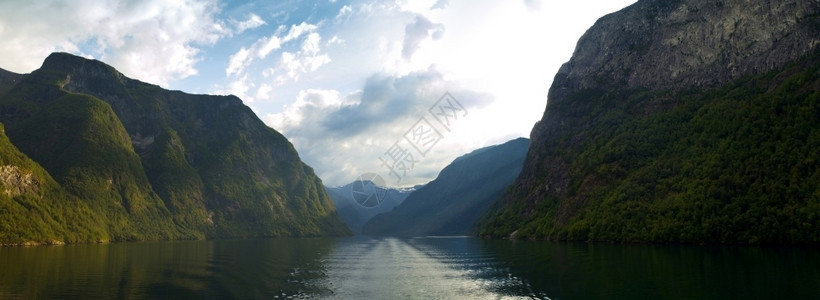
(678, 121)
(163, 164)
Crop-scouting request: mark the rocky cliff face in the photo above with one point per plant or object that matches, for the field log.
(683, 44)
(650, 61)
(18, 182)
(673, 45)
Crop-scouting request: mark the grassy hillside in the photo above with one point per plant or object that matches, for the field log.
(735, 164)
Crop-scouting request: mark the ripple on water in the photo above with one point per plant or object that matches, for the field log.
(415, 268)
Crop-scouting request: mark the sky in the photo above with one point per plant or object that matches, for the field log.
(393, 88)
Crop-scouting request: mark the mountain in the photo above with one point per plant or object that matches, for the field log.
(361, 200)
(8, 80)
(158, 164)
(451, 203)
(678, 122)
(34, 207)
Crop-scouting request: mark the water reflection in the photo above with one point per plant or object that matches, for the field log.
(364, 268)
(361, 267)
(600, 271)
(151, 270)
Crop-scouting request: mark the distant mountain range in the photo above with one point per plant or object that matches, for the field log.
(462, 192)
(678, 122)
(361, 200)
(91, 155)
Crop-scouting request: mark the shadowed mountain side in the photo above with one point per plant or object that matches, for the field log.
(8, 80)
(355, 214)
(451, 204)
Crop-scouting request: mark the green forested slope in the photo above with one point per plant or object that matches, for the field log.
(733, 164)
(157, 164)
(35, 209)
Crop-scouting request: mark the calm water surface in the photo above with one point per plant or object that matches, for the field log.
(420, 268)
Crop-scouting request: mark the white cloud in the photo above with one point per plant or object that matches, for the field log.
(311, 104)
(238, 61)
(308, 59)
(335, 40)
(252, 22)
(266, 45)
(245, 56)
(311, 43)
(297, 30)
(344, 13)
(268, 72)
(344, 136)
(264, 91)
(155, 41)
(314, 62)
(239, 87)
(440, 4)
(291, 64)
(419, 30)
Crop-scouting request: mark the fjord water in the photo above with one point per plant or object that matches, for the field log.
(426, 268)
